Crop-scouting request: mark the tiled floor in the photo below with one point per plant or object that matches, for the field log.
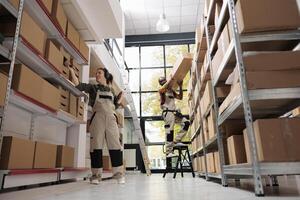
(141, 187)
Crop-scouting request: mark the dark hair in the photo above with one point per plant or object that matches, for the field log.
(108, 76)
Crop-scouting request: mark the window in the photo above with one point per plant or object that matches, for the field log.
(134, 80)
(154, 131)
(132, 57)
(151, 104)
(173, 52)
(149, 79)
(152, 56)
(136, 100)
(156, 155)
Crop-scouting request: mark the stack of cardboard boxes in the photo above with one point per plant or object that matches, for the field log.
(18, 153)
(281, 68)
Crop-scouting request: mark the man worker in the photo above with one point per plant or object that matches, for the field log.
(172, 116)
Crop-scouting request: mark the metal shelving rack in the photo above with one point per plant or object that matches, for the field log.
(18, 50)
(241, 107)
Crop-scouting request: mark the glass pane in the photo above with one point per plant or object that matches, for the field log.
(152, 56)
(132, 57)
(157, 157)
(136, 100)
(134, 80)
(149, 79)
(185, 80)
(151, 104)
(173, 52)
(154, 131)
(192, 48)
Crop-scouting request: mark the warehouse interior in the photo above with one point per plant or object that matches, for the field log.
(149, 99)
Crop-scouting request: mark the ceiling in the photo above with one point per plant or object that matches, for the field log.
(141, 15)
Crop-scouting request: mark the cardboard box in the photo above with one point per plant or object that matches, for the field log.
(17, 153)
(58, 13)
(216, 61)
(67, 57)
(106, 163)
(80, 109)
(50, 96)
(48, 5)
(15, 3)
(232, 96)
(73, 105)
(84, 49)
(233, 127)
(272, 61)
(211, 124)
(27, 82)
(44, 155)
(236, 149)
(211, 163)
(180, 69)
(73, 35)
(217, 162)
(222, 91)
(205, 129)
(54, 56)
(3, 86)
(207, 97)
(203, 166)
(64, 99)
(269, 15)
(296, 112)
(200, 39)
(65, 156)
(224, 40)
(276, 140)
(33, 33)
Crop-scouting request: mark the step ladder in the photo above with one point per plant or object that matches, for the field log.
(138, 130)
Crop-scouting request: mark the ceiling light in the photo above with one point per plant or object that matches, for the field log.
(162, 24)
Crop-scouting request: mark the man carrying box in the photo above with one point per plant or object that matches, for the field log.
(172, 116)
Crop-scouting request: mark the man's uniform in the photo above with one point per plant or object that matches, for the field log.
(103, 127)
(171, 117)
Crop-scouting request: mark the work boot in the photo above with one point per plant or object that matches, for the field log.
(119, 177)
(95, 179)
(171, 155)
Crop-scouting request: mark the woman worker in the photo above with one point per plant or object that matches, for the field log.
(103, 124)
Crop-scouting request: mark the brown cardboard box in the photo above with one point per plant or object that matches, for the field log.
(27, 82)
(50, 95)
(222, 91)
(73, 105)
(234, 94)
(48, 5)
(73, 35)
(272, 61)
(58, 13)
(269, 15)
(217, 162)
(205, 129)
(64, 99)
(54, 56)
(211, 124)
(180, 69)
(203, 163)
(44, 155)
(200, 39)
(33, 33)
(16, 153)
(3, 85)
(296, 112)
(67, 57)
(65, 156)
(216, 61)
(233, 127)
(106, 163)
(195, 164)
(236, 149)
(276, 140)
(15, 3)
(207, 97)
(211, 163)
(84, 49)
(66, 72)
(80, 109)
(224, 40)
